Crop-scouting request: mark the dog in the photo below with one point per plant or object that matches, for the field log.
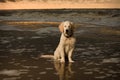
(67, 42)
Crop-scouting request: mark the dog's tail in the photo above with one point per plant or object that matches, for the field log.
(47, 56)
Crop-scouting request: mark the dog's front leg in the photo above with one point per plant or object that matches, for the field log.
(70, 55)
(62, 53)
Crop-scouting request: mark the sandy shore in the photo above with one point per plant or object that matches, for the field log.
(60, 4)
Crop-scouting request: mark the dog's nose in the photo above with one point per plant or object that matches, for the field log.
(67, 30)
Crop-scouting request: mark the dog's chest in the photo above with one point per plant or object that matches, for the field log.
(69, 44)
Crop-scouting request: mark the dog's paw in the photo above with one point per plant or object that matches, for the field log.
(62, 61)
(71, 61)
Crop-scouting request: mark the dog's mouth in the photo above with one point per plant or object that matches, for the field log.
(68, 33)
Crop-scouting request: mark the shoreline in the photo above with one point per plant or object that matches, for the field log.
(92, 17)
(27, 22)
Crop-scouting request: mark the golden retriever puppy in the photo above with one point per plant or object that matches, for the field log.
(67, 42)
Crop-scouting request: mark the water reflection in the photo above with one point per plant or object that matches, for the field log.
(97, 54)
(64, 70)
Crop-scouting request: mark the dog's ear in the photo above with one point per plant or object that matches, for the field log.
(61, 27)
(73, 26)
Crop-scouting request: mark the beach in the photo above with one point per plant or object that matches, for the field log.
(26, 35)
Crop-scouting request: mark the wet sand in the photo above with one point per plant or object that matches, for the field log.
(97, 52)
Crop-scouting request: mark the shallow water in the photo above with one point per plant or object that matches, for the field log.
(97, 54)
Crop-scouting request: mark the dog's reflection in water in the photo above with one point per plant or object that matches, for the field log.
(64, 70)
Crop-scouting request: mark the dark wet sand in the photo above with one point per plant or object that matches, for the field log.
(97, 52)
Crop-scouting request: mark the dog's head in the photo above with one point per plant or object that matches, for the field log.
(67, 28)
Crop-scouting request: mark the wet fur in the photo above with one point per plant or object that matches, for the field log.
(67, 43)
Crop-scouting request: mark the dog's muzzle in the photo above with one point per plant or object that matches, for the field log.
(68, 33)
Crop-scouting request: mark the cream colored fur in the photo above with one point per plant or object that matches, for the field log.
(67, 42)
